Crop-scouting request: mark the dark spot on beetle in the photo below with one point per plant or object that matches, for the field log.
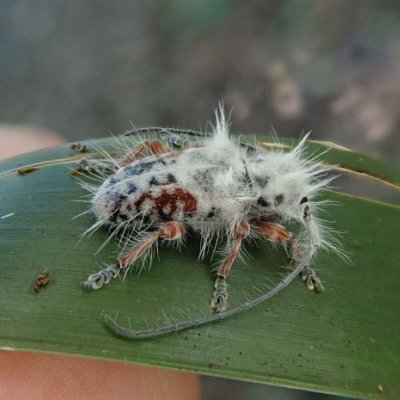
(153, 181)
(278, 199)
(123, 217)
(303, 200)
(121, 197)
(306, 213)
(211, 213)
(146, 219)
(164, 216)
(148, 164)
(171, 178)
(114, 214)
(139, 168)
(113, 180)
(131, 188)
(261, 181)
(115, 196)
(262, 202)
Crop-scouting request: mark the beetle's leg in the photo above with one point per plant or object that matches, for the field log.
(180, 140)
(240, 230)
(174, 139)
(169, 231)
(87, 165)
(311, 279)
(277, 233)
(148, 147)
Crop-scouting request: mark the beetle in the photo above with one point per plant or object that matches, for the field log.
(218, 188)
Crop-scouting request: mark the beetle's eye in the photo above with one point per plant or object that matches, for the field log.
(303, 200)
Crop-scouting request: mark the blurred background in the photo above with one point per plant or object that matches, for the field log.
(83, 69)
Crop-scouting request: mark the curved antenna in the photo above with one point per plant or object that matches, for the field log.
(129, 333)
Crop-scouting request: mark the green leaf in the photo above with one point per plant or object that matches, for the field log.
(345, 341)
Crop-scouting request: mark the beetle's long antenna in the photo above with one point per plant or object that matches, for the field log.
(129, 333)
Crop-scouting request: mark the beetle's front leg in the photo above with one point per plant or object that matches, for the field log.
(311, 279)
(277, 233)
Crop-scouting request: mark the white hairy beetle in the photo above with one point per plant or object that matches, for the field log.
(218, 188)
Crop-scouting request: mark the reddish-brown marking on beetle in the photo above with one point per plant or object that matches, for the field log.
(169, 199)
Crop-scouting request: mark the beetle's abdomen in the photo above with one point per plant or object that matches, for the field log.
(144, 205)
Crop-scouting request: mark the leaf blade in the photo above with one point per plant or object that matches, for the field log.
(344, 341)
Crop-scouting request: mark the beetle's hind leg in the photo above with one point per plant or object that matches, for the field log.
(143, 149)
(106, 167)
(93, 166)
(169, 231)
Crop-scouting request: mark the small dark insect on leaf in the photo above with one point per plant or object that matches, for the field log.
(80, 148)
(41, 280)
(26, 170)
